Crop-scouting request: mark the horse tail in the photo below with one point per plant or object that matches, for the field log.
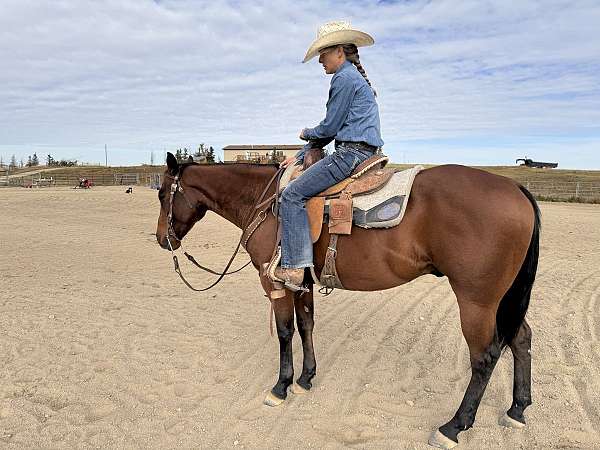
(514, 304)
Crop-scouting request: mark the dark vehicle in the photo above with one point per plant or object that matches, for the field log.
(537, 164)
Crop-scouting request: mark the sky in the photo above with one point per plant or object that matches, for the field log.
(463, 81)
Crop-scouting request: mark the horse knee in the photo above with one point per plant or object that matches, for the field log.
(285, 333)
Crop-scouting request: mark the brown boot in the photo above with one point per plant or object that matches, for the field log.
(290, 277)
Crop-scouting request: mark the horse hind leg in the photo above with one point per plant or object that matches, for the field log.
(479, 329)
(305, 321)
(521, 350)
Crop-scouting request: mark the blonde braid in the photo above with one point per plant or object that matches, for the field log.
(351, 52)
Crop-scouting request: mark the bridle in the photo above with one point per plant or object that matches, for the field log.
(248, 231)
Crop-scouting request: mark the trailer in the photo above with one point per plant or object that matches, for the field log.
(537, 164)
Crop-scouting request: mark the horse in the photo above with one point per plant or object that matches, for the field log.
(478, 229)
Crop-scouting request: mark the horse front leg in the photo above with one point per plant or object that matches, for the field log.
(284, 318)
(305, 321)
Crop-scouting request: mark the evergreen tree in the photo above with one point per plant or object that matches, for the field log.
(34, 160)
(28, 161)
(50, 160)
(21, 163)
(210, 155)
(13, 161)
(178, 155)
(185, 154)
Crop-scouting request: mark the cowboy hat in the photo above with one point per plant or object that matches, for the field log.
(337, 33)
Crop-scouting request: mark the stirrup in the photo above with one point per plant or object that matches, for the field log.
(271, 274)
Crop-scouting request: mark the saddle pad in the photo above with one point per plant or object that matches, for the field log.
(384, 208)
(290, 173)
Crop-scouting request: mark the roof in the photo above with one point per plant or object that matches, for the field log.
(264, 147)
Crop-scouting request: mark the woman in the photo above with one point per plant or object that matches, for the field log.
(352, 119)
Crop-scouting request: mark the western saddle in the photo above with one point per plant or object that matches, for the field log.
(368, 177)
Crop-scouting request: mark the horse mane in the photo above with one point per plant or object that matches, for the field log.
(183, 166)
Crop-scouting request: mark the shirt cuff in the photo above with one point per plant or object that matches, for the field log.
(309, 133)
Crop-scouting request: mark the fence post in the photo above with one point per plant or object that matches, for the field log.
(577, 190)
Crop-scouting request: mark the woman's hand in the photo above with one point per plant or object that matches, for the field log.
(286, 162)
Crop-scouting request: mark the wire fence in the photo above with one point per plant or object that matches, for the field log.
(577, 191)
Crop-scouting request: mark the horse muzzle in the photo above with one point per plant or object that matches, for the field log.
(163, 241)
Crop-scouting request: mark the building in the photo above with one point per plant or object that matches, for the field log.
(262, 154)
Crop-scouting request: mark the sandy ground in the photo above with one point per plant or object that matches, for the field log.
(101, 345)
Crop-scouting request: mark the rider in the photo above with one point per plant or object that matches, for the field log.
(352, 119)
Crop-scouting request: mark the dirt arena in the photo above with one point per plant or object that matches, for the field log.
(101, 345)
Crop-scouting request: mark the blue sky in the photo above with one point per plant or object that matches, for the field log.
(463, 81)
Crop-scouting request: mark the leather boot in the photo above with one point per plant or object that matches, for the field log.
(292, 277)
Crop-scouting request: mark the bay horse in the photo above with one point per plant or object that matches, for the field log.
(478, 229)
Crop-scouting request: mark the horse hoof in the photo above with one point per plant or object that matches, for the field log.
(272, 400)
(507, 421)
(298, 390)
(437, 439)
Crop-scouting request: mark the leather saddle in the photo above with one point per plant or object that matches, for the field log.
(368, 177)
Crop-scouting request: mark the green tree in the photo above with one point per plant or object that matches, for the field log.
(185, 154)
(178, 155)
(28, 164)
(34, 160)
(13, 161)
(210, 155)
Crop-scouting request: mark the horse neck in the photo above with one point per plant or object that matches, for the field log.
(231, 190)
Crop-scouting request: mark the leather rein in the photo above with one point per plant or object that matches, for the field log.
(248, 231)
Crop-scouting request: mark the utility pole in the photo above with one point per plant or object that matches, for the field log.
(105, 156)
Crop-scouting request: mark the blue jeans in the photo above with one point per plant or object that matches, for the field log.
(296, 244)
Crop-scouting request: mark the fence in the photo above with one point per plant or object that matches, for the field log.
(99, 179)
(583, 191)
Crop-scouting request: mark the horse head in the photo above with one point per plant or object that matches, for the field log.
(181, 205)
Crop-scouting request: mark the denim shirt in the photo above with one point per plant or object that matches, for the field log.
(352, 111)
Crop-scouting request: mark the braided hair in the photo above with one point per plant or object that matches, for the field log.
(351, 52)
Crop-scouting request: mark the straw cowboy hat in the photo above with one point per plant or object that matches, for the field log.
(337, 33)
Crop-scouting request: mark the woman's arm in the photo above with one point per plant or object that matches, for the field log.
(341, 94)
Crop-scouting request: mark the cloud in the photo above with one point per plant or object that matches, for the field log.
(143, 75)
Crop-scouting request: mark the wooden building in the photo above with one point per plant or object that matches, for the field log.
(262, 154)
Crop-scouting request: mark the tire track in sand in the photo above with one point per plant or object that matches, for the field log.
(583, 382)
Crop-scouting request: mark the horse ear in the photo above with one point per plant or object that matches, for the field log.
(172, 164)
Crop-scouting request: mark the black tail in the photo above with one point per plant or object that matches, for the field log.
(515, 302)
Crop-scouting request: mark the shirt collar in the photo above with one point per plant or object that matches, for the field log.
(344, 66)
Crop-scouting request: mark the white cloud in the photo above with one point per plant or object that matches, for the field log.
(142, 75)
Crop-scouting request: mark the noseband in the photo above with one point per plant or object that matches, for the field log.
(175, 186)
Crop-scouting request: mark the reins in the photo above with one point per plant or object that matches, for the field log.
(244, 238)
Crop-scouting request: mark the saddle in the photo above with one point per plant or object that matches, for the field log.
(368, 177)
(371, 197)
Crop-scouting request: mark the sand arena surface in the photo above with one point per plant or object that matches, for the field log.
(101, 345)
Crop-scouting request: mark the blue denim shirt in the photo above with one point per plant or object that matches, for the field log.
(352, 111)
